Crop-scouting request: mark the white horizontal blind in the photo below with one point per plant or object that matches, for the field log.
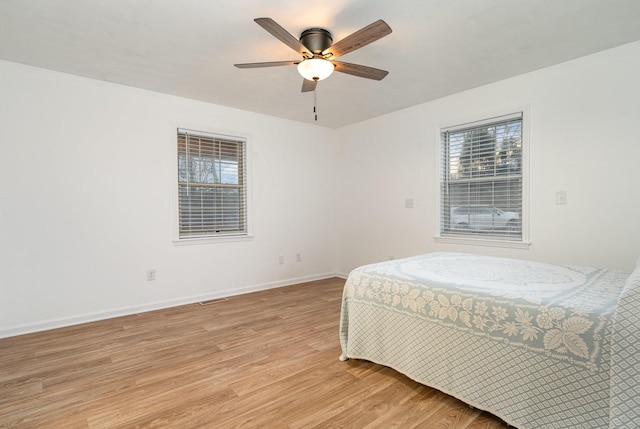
(211, 185)
(481, 179)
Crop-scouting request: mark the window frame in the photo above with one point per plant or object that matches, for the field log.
(494, 241)
(245, 235)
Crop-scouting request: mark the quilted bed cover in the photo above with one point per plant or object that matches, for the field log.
(539, 345)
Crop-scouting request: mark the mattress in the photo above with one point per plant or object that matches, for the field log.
(527, 341)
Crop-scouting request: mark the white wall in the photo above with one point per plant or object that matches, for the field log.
(87, 182)
(584, 118)
(87, 200)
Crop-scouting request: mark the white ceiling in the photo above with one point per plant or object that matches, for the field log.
(188, 47)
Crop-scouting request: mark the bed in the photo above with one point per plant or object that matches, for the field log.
(538, 345)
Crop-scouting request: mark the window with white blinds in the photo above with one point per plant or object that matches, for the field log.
(481, 179)
(211, 185)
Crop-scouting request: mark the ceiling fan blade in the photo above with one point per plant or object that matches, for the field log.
(267, 64)
(360, 71)
(281, 34)
(360, 38)
(309, 85)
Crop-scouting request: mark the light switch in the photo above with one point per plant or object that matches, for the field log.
(408, 203)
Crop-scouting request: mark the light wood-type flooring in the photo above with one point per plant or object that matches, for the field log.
(262, 360)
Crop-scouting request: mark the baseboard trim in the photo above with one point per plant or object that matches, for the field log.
(158, 305)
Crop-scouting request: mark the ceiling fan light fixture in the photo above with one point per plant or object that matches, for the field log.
(315, 68)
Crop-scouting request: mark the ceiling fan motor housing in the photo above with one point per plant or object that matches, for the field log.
(316, 39)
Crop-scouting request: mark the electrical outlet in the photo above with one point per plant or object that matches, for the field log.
(281, 259)
(298, 257)
(151, 275)
(561, 197)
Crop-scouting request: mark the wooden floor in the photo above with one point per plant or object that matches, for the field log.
(262, 360)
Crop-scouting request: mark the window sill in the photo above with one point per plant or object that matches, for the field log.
(483, 242)
(212, 240)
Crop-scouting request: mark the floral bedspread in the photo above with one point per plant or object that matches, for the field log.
(563, 312)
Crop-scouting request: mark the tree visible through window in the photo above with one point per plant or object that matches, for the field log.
(481, 179)
(211, 185)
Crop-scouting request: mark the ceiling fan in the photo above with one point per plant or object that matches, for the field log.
(319, 52)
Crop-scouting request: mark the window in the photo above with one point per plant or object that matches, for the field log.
(211, 185)
(481, 180)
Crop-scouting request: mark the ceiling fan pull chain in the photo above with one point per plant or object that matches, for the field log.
(315, 102)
